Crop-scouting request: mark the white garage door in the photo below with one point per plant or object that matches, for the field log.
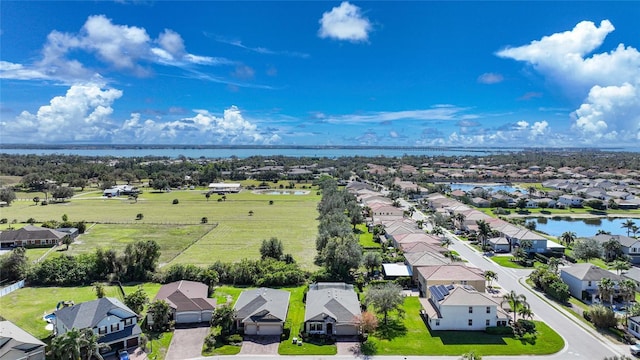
(346, 330)
(269, 329)
(187, 317)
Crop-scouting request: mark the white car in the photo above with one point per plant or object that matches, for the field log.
(635, 349)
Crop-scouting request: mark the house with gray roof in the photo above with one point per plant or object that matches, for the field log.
(629, 246)
(583, 279)
(17, 344)
(332, 309)
(115, 324)
(461, 307)
(189, 301)
(262, 311)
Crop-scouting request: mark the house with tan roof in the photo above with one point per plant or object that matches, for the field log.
(189, 301)
(332, 309)
(447, 275)
(262, 311)
(461, 307)
(426, 258)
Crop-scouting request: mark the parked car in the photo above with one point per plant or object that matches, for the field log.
(635, 349)
(123, 354)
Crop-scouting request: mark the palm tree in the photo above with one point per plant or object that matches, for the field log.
(459, 217)
(437, 231)
(629, 224)
(526, 245)
(554, 264)
(568, 237)
(446, 242)
(619, 265)
(525, 312)
(628, 289)
(484, 230)
(67, 345)
(515, 301)
(531, 190)
(635, 229)
(606, 290)
(90, 344)
(490, 276)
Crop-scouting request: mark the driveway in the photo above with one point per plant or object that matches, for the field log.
(187, 343)
(260, 345)
(348, 345)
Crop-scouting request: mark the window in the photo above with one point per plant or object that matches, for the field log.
(470, 322)
(437, 322)
(128, 321)
(115, 327)
(470, 309)
(315, 327)
(589, 284)
(487, 323)
(102, 330)
(463, 282)
(488, 310)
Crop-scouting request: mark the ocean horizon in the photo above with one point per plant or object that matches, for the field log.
(244, 151)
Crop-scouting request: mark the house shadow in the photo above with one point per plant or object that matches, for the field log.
(467, 338)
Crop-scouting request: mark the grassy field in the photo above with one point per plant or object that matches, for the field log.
(178, 228)
(158, 345)
(43, 300)
(366, 238)
(412, 337)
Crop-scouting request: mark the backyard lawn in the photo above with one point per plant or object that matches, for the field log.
(366, 238)
(411, 336)
(43, 300)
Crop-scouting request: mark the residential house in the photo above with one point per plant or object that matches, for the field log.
(262, 311)
(332, 309)
(499, 244)
(31, 236)
(629, 246)
(110, 319)
(461, 307)
(480, 202)
(17, 344)
(449, 274)
(189, 301)
(419, 259)
(633, 326)
(569, 201)
(583, 279)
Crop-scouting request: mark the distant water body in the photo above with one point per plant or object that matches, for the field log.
(221, 152)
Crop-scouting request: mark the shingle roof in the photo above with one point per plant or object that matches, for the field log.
(589, 272)
(336, 300)
(15, 343)
(262, 304)
(89, 314)
(186, 295)
(31, 232)
(451, 272)
(623, 240)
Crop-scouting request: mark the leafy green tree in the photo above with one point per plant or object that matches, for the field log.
(384, 298)
(223, 316)
(7, 195)
(62, 192)
(160, 314)
(340, 255)
(587, 249)
(612, 249)
(137, 300)
(99, 289)
(602, 317)
(14, 266)
(372, 260)
(271, 248)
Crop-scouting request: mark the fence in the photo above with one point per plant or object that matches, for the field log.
(11, 288)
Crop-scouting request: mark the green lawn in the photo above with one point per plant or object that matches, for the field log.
(295, 319)
(366, 238)
(159, 344)
(43, 300)
(412, 337)
(505, 261)
(291, 218)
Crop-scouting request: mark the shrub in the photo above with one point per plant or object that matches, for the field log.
(139, 216)
(499, 330)
(204, 220)
(602, 317)
(570, 259)
(175, 201)
(543, 259)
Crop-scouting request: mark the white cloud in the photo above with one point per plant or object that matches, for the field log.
(82, 114)
(345, 22)
(539, 128)
(490, 78)
(608, 82)
(122, 47)
(441, 112)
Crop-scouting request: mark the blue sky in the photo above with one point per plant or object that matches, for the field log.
(321, 73)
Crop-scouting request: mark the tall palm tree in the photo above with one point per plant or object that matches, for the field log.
(554, 264)
(619, 265)
(459, 217)
(628, 289)
(484, 230)
(525, 312)
(91, 346)
(568, 237)
(490, 276)
(67, 346)
(515, 301)
(446, 242)
(635, 229)
(629, 224)
(606, 289)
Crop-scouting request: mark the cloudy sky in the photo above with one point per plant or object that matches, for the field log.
(321, 73)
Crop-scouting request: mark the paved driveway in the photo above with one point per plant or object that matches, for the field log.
(260, 345)
(348, 345)
(187, 343)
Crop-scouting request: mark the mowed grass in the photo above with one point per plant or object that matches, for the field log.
(411, 336)
(365, 237)
(290, 218)
(25, 307)
(173, 239)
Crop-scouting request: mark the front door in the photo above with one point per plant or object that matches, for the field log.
(329, 329)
